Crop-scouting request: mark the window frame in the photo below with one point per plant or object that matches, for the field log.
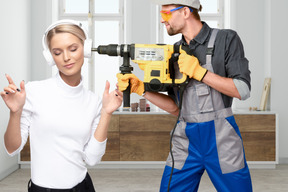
(215, 16)
(120, 17)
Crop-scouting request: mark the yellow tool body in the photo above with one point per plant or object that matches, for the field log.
(154, 60)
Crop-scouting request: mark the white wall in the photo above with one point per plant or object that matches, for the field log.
(250, 24)
(263, 28)
(41, 18)
(279, 69)
(15, 58)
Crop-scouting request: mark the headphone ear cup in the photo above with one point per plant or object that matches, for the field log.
(87, 48)
(48, 57)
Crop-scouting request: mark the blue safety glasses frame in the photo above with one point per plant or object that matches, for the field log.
(167, 14)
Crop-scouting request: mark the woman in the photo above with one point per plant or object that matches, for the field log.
(67, 124)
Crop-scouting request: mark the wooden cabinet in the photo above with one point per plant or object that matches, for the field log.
(145, 137)
(259, 136)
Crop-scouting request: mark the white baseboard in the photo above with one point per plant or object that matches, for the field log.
(130, 165)
(157, 165)
(283, 160)
(262, 164)
(8, 171)
(118, 165)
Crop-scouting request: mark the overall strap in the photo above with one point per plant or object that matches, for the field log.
(202, 103)
(210, 47)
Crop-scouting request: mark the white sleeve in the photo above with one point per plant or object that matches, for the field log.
(242, 88)
(94, 150)
(25, 122)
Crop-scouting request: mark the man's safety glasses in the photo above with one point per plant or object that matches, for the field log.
(166, 15)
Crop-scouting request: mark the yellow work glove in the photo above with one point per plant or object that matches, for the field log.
(137, 86)
(189, 65)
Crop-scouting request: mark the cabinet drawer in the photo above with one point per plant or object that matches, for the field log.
(256, 123)
(153, 123)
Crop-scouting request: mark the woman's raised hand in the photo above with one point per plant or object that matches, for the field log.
(14, 97)
(111, 101)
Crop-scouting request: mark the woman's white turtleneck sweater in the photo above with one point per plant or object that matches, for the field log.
(61, 121)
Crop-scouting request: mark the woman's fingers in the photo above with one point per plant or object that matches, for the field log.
(22, 86)
(119, 92)
(9, 90)
(107, 87)
(3, 94)
(12, 88)
(10, 81)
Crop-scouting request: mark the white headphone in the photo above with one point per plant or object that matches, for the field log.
(46, 51)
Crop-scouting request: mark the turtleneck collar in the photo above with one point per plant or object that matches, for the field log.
(67, 89)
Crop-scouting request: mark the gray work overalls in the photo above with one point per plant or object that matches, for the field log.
(206, 138)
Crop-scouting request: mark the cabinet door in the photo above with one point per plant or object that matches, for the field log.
(145, 137)
(259, 136)
(113, 145)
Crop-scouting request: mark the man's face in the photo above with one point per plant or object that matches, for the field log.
(172, 18)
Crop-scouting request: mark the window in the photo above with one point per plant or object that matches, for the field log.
(212, 13)
(104, 21)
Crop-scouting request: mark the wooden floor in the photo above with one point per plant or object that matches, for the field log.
(148, 180)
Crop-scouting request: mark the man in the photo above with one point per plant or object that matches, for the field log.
(207, 136)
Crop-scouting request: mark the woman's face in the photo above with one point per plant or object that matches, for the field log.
(68, 54)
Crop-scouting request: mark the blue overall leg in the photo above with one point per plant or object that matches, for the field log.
(202, 154)
(238, 180)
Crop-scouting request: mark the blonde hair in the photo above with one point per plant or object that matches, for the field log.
(66, 28)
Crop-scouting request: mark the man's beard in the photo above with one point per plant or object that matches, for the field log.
(171, 31)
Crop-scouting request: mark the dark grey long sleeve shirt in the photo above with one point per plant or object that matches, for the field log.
(228, 58)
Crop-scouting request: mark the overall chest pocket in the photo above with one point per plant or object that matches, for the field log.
(204, 98)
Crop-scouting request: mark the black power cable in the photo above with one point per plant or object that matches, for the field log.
(182, 89)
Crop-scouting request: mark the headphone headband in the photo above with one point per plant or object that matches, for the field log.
(46, 51)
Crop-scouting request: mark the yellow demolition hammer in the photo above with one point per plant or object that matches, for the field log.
(156, 60)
